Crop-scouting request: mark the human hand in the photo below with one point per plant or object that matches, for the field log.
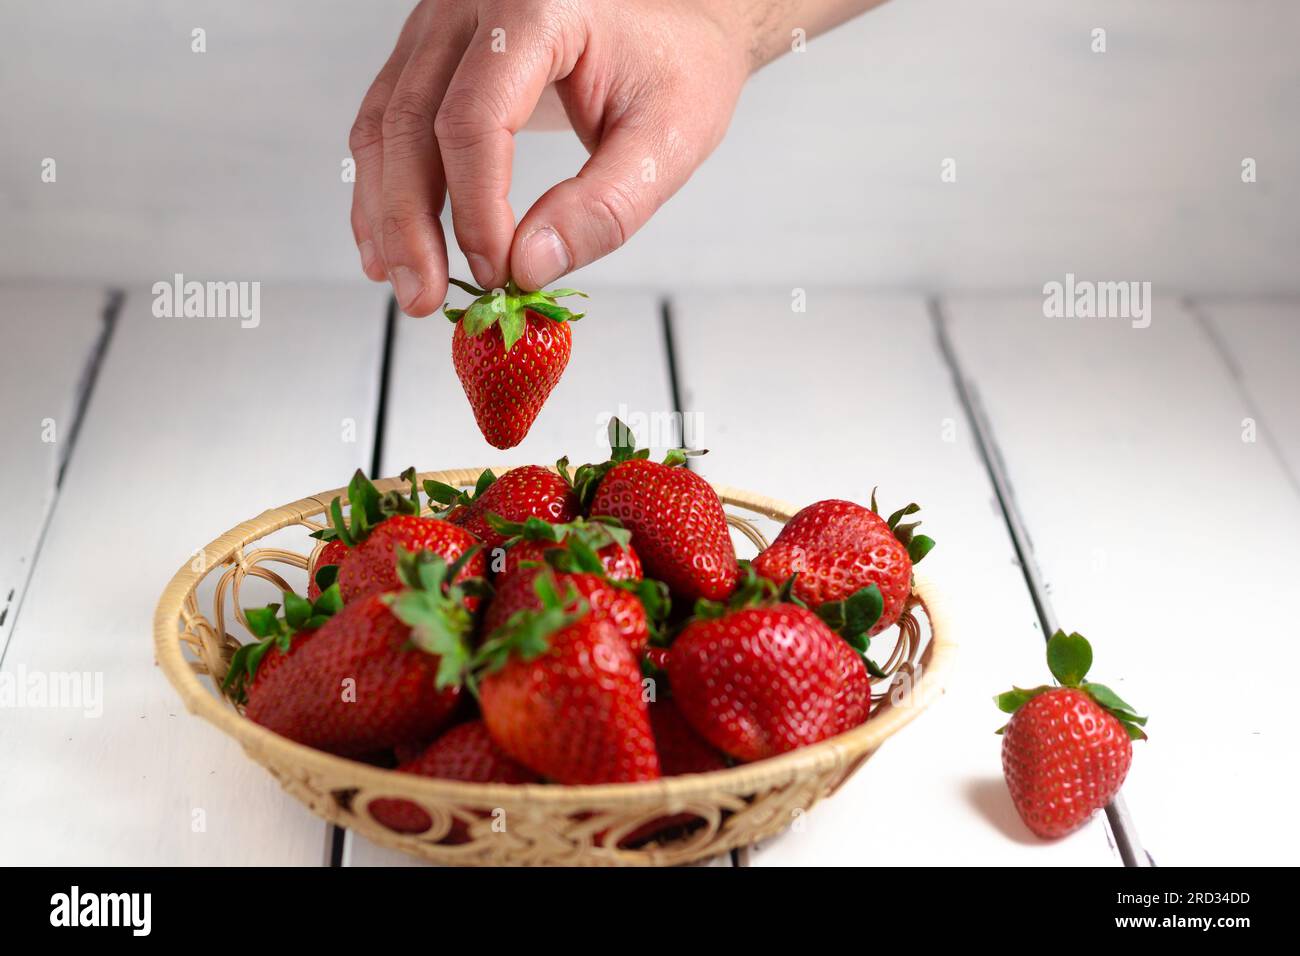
(648, 86)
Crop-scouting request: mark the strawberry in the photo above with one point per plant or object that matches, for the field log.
(679, 529)
(1066, 749)
(467, 753)
(381, 671)
(330, 556)
(383, 525)
(619, 604)
(510, 348)
(279, 637)
(838, 548)
(764, 677)
(531, 541)
(561, 693)
(520, 494)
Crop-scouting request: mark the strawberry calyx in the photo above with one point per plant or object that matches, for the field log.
(507, 308)
(432, 603)
(367, 508)
(451, 497)
(918, 545)
(622, 447)
(590, 536)
(853, 618)
(273, 629)
(1069, 656)
(526, 635)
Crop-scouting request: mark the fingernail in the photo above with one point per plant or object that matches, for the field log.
(481, 268)
(407, 285)
(367, 250)
(545, 258)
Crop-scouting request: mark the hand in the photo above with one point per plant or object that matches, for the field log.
(648, 86)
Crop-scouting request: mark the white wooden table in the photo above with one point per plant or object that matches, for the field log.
(1137, 485)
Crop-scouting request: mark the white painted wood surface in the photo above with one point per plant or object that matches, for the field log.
(852, 394)
(1123, 164)
(1261, 339)
(48, 336)
(1168, 541)
(619, 366)
(194, 425)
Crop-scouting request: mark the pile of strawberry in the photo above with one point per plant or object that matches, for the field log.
(584, 628)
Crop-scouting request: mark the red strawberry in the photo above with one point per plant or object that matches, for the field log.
(380, 525)
(561, 693)
(466, 753)
(381, 671)
(838, 548)
(1067, 749)
(592, 545)
(521, 494)
(681, 750)
(331, 556)
(678, 527)
(619, 605)
(510, 348)
(279, 638)
(760, 681)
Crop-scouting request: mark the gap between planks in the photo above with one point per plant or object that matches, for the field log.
(1121, 828)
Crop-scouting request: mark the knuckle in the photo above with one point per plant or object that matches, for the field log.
(366, 130)
(462, 119)
(408, 116)
(616, 211)
(400, 223)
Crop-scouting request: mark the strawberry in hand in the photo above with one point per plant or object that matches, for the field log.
(1067, 749)
(510, 348)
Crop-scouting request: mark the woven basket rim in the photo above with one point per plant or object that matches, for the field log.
(199, 700)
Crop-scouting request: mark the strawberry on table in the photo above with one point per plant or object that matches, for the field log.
(517, 496)
(679, 529)
(383, 525)
(466, 752)
(837, 548)
(510, 348)
(382, 671)
(561, 693)
(1066, 749)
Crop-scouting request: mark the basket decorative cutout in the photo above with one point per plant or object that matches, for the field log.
(543, 824)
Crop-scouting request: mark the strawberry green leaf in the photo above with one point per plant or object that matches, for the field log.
(261, 620)
(1134, 733)
(326, 575)
(1112, 702)
(919, 547)
(856, 615)
(1068, 657)
(467, 287)
(1017, 697)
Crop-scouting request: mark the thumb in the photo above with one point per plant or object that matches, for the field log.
(581, 219)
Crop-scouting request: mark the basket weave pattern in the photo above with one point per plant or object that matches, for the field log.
(535, 823)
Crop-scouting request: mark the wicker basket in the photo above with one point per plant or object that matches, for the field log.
(536, 823)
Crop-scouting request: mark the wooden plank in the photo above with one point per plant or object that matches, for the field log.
(49, 342)
(1167, 539)
(1261, 339)
(195, 425)
(852, 394)
(619, 366)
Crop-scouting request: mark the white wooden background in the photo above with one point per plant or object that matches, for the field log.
(1142, 486)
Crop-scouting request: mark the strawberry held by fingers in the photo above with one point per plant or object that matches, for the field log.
(1066, 749)
(679, 529)
(836, 548)
(510, 348)
(383, 525)
(383, 670)
(561, 693)
(519, 495)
